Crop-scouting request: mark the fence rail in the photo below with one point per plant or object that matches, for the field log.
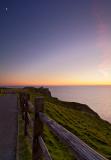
(80, 149)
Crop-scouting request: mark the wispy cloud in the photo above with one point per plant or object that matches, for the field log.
(102, 40)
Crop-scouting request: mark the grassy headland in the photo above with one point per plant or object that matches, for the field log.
(77, 118)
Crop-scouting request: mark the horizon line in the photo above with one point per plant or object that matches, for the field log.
(59, 85)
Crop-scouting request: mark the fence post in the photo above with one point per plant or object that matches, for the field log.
(26, 109)
(37, 129)
(21, 98)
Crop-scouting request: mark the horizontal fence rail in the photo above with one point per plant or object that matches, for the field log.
(44, 149)
(80, 149)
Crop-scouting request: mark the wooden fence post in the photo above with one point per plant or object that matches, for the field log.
(21, 98)
(26, 109)
(37, 129)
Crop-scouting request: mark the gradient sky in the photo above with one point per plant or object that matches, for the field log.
(55, 42)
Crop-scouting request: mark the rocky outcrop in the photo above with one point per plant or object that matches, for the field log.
(41, 90)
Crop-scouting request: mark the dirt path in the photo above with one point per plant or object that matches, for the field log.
(8, 127)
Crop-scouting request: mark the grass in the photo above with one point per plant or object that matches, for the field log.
(57, 149)
(91, 129)
(24, 149)
(2, 94)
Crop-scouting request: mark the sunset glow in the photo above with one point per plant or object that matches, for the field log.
(55, 43)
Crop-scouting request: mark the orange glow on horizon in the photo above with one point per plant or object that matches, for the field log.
(25, 83)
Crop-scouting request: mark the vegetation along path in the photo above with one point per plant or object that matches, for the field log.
(8, 127)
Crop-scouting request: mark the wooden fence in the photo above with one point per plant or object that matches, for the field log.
(81, 150)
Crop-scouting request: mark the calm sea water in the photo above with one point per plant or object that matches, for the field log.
(96, 97)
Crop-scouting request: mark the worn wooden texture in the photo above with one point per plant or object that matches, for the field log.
(30, 138)
(30, 121)
(31, 106)
(44, 149)
(37, 129)
(24, 98)
(26, 120)
(21, 98)
(81, 150)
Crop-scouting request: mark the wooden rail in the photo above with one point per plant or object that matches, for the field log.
(80, 149)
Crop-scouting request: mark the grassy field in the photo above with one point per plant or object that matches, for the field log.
(55, 147)
(90, 128)
(24, 148)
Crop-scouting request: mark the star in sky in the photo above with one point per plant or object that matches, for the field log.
(4, 11)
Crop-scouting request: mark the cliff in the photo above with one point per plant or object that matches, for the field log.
(41, 90)
(74, 105)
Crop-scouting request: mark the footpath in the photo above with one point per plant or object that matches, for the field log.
(8, 127)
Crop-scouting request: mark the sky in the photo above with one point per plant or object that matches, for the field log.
(55, 42)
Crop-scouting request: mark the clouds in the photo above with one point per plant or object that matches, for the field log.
(103, 41)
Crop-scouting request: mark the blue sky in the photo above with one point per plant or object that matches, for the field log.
(45, 42)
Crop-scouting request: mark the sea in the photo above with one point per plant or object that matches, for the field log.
(97, 98)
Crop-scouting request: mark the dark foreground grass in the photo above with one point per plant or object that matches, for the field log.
(57, 150)
(24, 149)
(2, 95)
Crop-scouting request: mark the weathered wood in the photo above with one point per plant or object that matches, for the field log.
(26, 121)
(37, 129)
(29, 135)
(82, 151)
(30, 138)
(21, 98)
(30, 121)
(31, 107)
(24, 98)
(44, 149)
